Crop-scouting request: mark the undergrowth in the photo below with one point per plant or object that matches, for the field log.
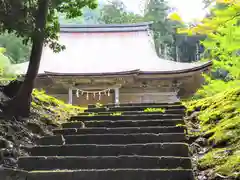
(17, 133)
(52, 109)
(219, 119)
(160, 110)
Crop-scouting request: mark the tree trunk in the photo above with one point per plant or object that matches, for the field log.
(20, 104)
(175, 45)
(157, 47)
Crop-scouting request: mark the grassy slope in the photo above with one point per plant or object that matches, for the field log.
(46, 113)
(52, 109)
(219, 119)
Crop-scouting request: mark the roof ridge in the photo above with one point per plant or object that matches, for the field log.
(142, 24)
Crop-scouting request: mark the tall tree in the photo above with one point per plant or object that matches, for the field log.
(89, 16)
(36, 21)
(163, 29)
(222, 46)
(115, 12)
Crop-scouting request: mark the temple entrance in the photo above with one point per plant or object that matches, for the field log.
(93, 96)
(82, 101)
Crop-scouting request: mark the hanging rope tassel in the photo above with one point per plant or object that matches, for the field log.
(77, 93)
(87, 96)
(99, 96)
(82, 92)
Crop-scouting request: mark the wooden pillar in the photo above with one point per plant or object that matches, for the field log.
(70, 96)
(116, 93)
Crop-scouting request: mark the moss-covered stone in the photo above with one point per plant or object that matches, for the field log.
(219, 120)
(224, 161)
(52, 109)
(160, 110)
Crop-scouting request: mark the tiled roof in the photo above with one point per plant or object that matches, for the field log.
(100, 52)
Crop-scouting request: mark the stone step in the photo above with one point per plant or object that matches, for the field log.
(113, 174)
(112, 138)
(124, 130)
(127, 117)
(99, 162)
(137, 104)
(106, 112)
(123, 123)
(150, 149)
(133, 110)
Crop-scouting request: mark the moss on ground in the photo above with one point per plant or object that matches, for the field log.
(219, 120)
(52, 109)
(160, 110)
(16, 133)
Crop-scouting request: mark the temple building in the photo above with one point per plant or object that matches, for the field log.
(114, 63)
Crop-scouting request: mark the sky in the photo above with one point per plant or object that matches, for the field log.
(188, 9)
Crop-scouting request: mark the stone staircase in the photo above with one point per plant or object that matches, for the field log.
(136, 145)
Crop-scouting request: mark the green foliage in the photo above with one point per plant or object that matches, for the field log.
(89, 16)
(163, 28)
(222, 161)
(213, 87)
(6, 72)
(221, 46)
(15, 49)
(92, 114)
(115, 12)
(57, 110)
(218, 101)
(116, 114)
(161, 110)
(64, 20)
(221, 109)
(99, 105)
(19, 17)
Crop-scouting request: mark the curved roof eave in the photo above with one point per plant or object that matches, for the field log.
(197, 68)
(136, 71)
(132, 72)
